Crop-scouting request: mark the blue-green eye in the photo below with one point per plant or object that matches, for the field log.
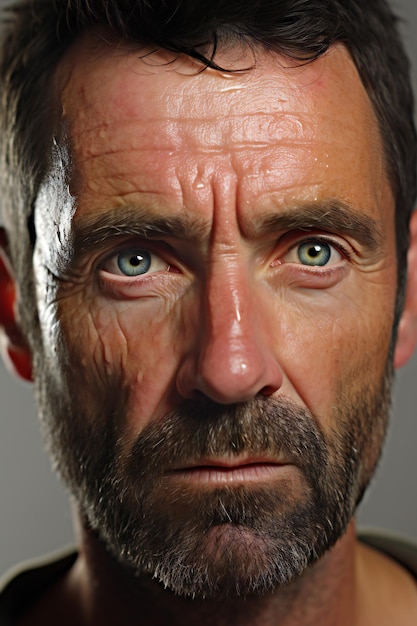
(134, 262)
(314, 253)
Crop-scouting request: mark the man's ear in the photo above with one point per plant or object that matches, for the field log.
(14, 348)
(407, 329)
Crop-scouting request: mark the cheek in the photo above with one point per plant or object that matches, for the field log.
(335, 340)
(137, 343)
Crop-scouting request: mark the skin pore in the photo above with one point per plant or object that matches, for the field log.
(259, 208)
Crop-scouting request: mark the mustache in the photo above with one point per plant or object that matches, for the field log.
(201, 429)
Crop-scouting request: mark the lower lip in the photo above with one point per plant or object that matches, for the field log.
(257, 472)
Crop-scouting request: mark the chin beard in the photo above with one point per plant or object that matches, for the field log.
(225, 541)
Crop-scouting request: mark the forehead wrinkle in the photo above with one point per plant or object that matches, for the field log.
(257, 130)
(334, 216)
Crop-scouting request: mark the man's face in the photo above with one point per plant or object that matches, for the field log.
(216, 289)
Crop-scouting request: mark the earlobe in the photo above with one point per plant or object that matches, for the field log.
(15, 351)
(407, 329)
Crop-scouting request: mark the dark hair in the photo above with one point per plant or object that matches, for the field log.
(38, 32)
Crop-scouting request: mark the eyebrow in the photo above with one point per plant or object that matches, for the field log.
(334, 216)
(133, 222)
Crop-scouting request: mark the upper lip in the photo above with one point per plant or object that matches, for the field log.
(230, 462)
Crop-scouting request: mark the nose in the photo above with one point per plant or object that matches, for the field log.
(232, 358)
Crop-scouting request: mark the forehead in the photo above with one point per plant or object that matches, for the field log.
(158, 124)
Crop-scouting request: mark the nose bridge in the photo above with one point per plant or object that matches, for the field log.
(229, 316)
(231, 363)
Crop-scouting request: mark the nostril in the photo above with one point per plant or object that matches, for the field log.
(268, 390)
(196, 394)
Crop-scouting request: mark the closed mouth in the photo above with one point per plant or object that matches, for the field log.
(229, 471)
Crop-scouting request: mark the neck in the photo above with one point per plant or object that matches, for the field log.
(325, 594)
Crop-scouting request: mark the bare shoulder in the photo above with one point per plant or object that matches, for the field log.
(387, 591)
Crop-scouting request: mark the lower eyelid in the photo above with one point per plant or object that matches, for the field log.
(124, 278)
(319, 278)
(155, 285)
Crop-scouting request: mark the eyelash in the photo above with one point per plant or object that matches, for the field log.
(155, 249)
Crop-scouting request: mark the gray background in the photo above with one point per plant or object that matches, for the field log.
(35, 515)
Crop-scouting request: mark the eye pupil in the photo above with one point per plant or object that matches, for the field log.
(136, 260)
(312, 254)
(315, 251)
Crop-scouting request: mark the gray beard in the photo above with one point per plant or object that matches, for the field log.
(227, 541)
